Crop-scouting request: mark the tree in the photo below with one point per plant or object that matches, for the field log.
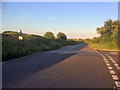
(106, 29)
(61, 36)
(108, 26)
(49, 35)
(81, 40)
(101, 31)
(87, 40)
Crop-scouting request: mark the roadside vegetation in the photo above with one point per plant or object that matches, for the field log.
(109, 38)
(14, 48)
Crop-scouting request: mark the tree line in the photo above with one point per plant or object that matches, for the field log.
(109, 35)
(60, 35)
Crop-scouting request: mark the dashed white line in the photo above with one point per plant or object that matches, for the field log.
(118, 68)
(114, 62)
(112, 71)
(114, 76)
(116, 65)
(110, 68)
(117, 83)
(108, 65)
(106, 61)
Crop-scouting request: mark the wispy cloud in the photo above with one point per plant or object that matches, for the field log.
(52, 17)
(20, 16)
(23, 16)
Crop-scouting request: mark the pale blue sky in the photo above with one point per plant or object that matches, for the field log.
(76, 19)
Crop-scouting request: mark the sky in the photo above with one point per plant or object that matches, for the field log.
(75, 19)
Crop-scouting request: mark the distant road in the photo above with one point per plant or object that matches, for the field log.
(77, 66)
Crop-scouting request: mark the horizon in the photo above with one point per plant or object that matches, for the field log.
(75, 19)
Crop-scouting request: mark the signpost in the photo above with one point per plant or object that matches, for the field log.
(20, 37)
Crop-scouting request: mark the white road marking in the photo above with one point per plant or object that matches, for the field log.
(112, 71)
(115, 77)
(117, 83)
(110, 68)
(113, 52)
(109, 57)
(118, 68)
(108, 65)
(106, 61)
(116, 65)
(113, 61)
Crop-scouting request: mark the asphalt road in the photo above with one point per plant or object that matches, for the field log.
(77, 66)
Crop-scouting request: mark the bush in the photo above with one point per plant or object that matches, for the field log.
(61, 36)
(49, 35)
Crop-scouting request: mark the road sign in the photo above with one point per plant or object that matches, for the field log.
(20, 38)
(20, 32)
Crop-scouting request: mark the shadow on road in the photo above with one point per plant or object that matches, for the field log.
(17, 69)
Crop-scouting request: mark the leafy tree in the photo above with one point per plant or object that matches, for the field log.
(109, 34)
(87, 40)
(49, 35)
(61, 36)
(106, 29)
(108, 26)
(101, 30)
(81, 40)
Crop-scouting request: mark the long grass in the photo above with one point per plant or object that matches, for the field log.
(105, 46)
(13, 48)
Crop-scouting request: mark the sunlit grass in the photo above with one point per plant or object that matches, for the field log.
(14, 48)
(105, 46)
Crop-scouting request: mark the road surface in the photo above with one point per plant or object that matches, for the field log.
(77, 66)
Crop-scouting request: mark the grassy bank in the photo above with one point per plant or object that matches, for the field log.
(13, 48)
(104, 46)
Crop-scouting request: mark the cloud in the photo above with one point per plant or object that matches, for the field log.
(23, 16)
(52, 17)
(20, 16)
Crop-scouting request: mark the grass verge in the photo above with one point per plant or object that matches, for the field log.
(13, 48)
(105, 46)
